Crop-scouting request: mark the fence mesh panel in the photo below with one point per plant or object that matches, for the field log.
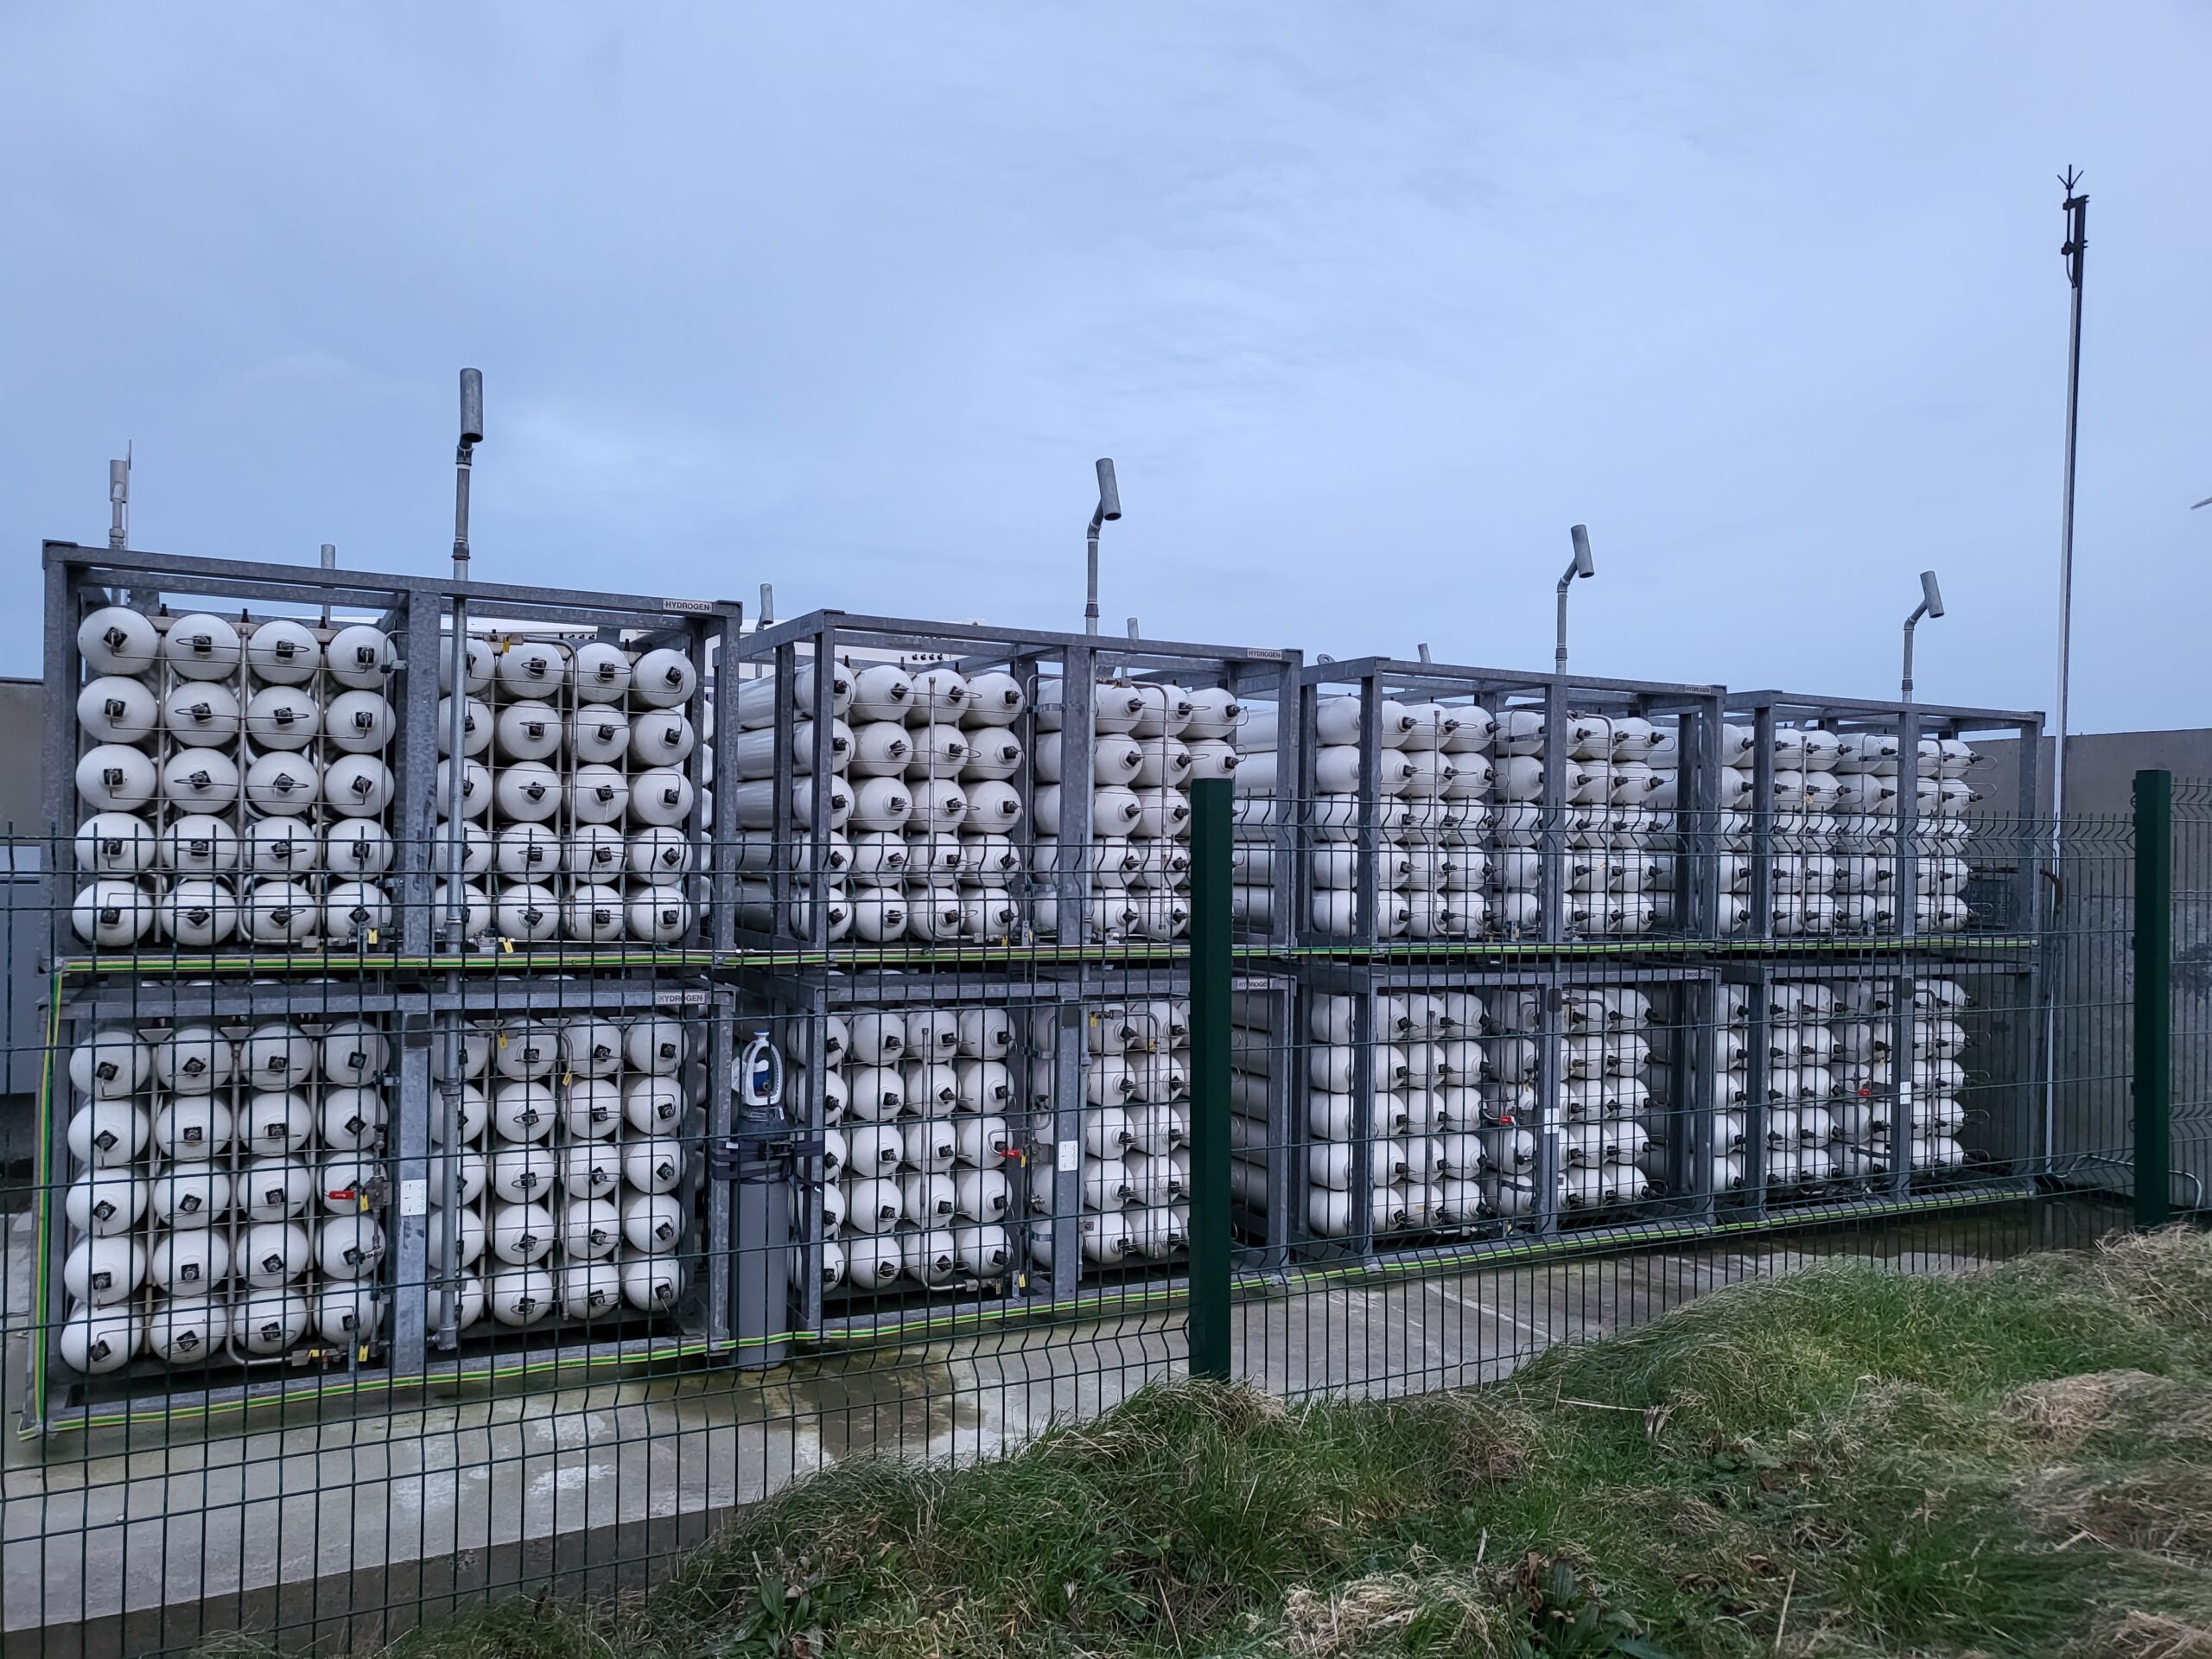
(344, 1290)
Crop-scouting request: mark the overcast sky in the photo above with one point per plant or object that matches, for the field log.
(1369, 301)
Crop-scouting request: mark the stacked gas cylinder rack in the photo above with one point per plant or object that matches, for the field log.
(1439, 826)
(573, 1178)
(1426, 810)
(234, 780)
(917, 812)
(918, 1108)
(247, 1151)
(1830, 852)
(1438, 803)
(1135, 1166)
(1809, 1096)
(1429, 860)
(981, 1142)
(1619, 802)
(937, 817)
(1148, 740)
(928, 792)
(577, 791)
(222, 1210)
(1620, 823)
(1456, 1144)
(1443, 1153)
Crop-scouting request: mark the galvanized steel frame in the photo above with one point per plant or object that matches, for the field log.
(414, 985)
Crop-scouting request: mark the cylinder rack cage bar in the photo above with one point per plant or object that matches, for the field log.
(394, 980)
(1079, 661)
(796, 1006)
(1695, 707)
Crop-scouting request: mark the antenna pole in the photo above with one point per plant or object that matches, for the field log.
(2077, 206)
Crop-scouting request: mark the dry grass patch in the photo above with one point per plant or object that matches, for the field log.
(1381, 1613)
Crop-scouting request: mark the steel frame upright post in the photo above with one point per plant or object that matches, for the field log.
(413, 821)
(1297, 802)
(1072, 871)
(1759, 1082)
(1551, 1088)
(821, 783)
(721, 1197)
(1552, 816)
(782, 876)
(1366, 925)
(1763, 851)
(1293, 902)
(1286, 1135)
(721, 793)
(1908, 830)
(410, 1219)
(1071, 1051)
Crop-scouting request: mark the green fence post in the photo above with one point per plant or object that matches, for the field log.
(1211, 879)
(2154, 957)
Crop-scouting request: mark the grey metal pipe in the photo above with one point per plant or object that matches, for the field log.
(1931, 604)
(1580, 565)
(1090, 554)
(119, 503)
(1109, 508)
